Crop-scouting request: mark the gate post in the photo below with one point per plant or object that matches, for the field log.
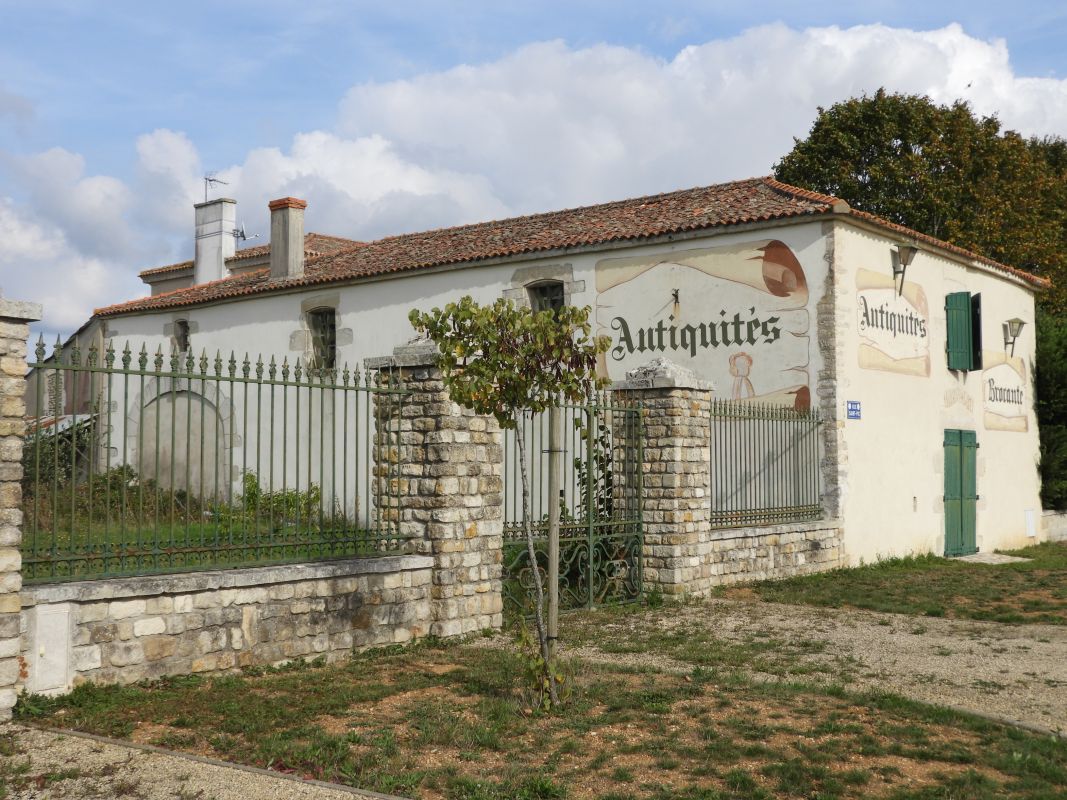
(14, 331)
(450, 493)
(677, 476)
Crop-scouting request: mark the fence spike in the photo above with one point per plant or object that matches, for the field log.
(345, 375)
(142, 357)
(232, 365)
(92, 355)
(159, 359)
(203, 361)
(285, 368)
(259, 367)
(297, 370)
(175, 360)
(109, 356)
(246, 367)
(272, 368)
(218, 364)
(40, 349)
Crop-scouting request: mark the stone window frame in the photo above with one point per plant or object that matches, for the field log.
(172, 331)
(526, 278)
(301, 340)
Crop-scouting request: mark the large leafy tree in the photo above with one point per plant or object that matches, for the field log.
(946, 172)
(510, 362)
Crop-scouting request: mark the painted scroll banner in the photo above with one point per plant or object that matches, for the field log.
(894, 329)
(735, 315)
(1004, 390)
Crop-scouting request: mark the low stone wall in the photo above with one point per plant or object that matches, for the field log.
(127, 629)
(776, 551)
(1054, 524)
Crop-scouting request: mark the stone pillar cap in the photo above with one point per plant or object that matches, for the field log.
(20, 310)
(662, 373)
(416, 353)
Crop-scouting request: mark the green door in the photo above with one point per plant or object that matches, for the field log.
(961, 492)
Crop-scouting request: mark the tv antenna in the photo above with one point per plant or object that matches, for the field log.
(210, 180)
(240, 235)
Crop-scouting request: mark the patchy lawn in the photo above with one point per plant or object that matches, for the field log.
(1033, 591)
(454, 722)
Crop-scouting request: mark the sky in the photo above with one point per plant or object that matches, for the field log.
(402, 116)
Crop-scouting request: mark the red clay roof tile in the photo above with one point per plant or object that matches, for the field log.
(752, 200)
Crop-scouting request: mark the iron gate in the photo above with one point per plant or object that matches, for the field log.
(600, 506)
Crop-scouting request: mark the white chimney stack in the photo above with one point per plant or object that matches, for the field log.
(215, 242)
(287, 238)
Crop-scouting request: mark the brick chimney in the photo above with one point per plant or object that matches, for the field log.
(215, 242)
(287, 238)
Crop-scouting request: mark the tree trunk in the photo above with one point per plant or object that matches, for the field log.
(539, 613)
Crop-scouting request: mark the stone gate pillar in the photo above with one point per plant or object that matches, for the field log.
(677, 476)
(451, 464)
(14, 331)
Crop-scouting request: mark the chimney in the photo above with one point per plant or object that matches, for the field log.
(287, 238)
(215, 242)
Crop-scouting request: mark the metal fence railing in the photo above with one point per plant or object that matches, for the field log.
(764, 464)
(137, 464)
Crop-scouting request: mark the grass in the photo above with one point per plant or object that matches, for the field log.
(455, 722)
(1026, 592)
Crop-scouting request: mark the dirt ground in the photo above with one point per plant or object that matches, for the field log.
(1018, 672)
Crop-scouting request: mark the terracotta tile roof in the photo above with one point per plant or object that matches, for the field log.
(315, 244)
(752, 200)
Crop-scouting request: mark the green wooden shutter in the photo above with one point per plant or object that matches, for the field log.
(976, 331)
(968, 490)
(953, 495)
(958, 315)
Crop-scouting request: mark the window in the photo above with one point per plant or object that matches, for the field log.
(547, 296)
(963, 312)
(322, 327)
(181, 335)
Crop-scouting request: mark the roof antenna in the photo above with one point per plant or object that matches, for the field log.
(210, 179)
(240, 235)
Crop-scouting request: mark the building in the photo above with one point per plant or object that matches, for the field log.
(918, 354)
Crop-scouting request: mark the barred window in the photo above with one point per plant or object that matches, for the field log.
(322, 326)
(546, 296)
(181, 335)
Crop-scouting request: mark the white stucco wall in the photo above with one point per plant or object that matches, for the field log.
(893, 488)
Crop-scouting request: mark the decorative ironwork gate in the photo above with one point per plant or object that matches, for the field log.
(600, 507)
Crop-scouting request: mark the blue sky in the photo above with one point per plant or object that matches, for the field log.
(389, 117)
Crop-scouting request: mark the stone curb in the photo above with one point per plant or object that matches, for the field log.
(214, 762)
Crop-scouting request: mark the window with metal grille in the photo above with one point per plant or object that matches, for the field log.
(322, 326)
(547, 296)
(963, 316)
(181, 335)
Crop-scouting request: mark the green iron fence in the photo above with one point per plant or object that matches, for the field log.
(600, 506)
(138, 464)
(764, 464)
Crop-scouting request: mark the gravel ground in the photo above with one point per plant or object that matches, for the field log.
(1018, 672)
(62, 766)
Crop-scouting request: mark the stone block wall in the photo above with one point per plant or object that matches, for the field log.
(14, 331)
(451, 492)
(1054, 525)
(124, 630)
(773, 551)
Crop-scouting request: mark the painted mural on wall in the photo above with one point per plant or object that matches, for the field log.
(894, 329)
(736, 315)
(1004, 392)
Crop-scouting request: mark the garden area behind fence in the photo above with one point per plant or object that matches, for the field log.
(137, 464)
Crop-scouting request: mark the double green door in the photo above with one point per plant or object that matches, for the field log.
(961, 492)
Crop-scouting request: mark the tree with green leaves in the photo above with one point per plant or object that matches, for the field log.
(510, 362)
(943, 171)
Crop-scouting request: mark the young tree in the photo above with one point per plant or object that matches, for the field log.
(510, 362)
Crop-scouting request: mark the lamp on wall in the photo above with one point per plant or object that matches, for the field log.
(902, 257)
(1012, 328)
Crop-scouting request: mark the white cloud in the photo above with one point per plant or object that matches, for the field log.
(38, 263)
(546, 127)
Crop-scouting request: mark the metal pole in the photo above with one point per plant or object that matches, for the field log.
(555, 479)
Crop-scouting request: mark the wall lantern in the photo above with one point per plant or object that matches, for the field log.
(902, 257)
(1012, 329)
